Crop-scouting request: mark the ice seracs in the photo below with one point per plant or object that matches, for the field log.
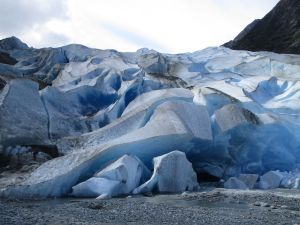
(120, 177)
(173, 173)
(249, 179)
(291, 179)
(232, 115)
(23, 117)
(95, 187)
(230, 112)
(243, 181)
(270, 180)
(235, 183)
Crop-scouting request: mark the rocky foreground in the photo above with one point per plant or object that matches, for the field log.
(211, 206)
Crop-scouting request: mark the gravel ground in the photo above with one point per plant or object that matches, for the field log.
(215, 206)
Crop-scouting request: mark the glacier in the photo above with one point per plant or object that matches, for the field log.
(231, 112)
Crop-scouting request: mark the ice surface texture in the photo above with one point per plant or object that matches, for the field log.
(230, 112)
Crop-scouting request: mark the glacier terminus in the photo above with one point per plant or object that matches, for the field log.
(115, 118)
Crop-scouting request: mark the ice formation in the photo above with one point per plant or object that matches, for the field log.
(230, 112)
(119, 178)
(249, 179)
(269, 180)
(173, 173)
(235, 183)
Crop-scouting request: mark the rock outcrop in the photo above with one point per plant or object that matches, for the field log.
(277, 32)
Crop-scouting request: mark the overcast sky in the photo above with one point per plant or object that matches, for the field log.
(127, 25)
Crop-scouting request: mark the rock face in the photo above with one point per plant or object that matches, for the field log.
(277, 32)
(230, 112)
(12, 43)
(173, 173)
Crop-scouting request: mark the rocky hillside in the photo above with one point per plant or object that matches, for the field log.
(278, 31)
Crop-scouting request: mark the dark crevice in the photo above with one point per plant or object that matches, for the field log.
(5, 58)
(2, 84)
(206, 177)
(48, 118)
(176, 80)
(50, 150)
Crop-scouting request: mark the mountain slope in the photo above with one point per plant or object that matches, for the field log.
(278, 31)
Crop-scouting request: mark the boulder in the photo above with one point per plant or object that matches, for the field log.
(235, 183)
(173, 173)
(120, 177)
(270, 180)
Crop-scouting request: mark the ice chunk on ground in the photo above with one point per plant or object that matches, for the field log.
(249, 179)
(270, 180)
(95, 186)
(292, 182)
(172, 173)
(120, 177)
(235, 183)
(291, 179)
